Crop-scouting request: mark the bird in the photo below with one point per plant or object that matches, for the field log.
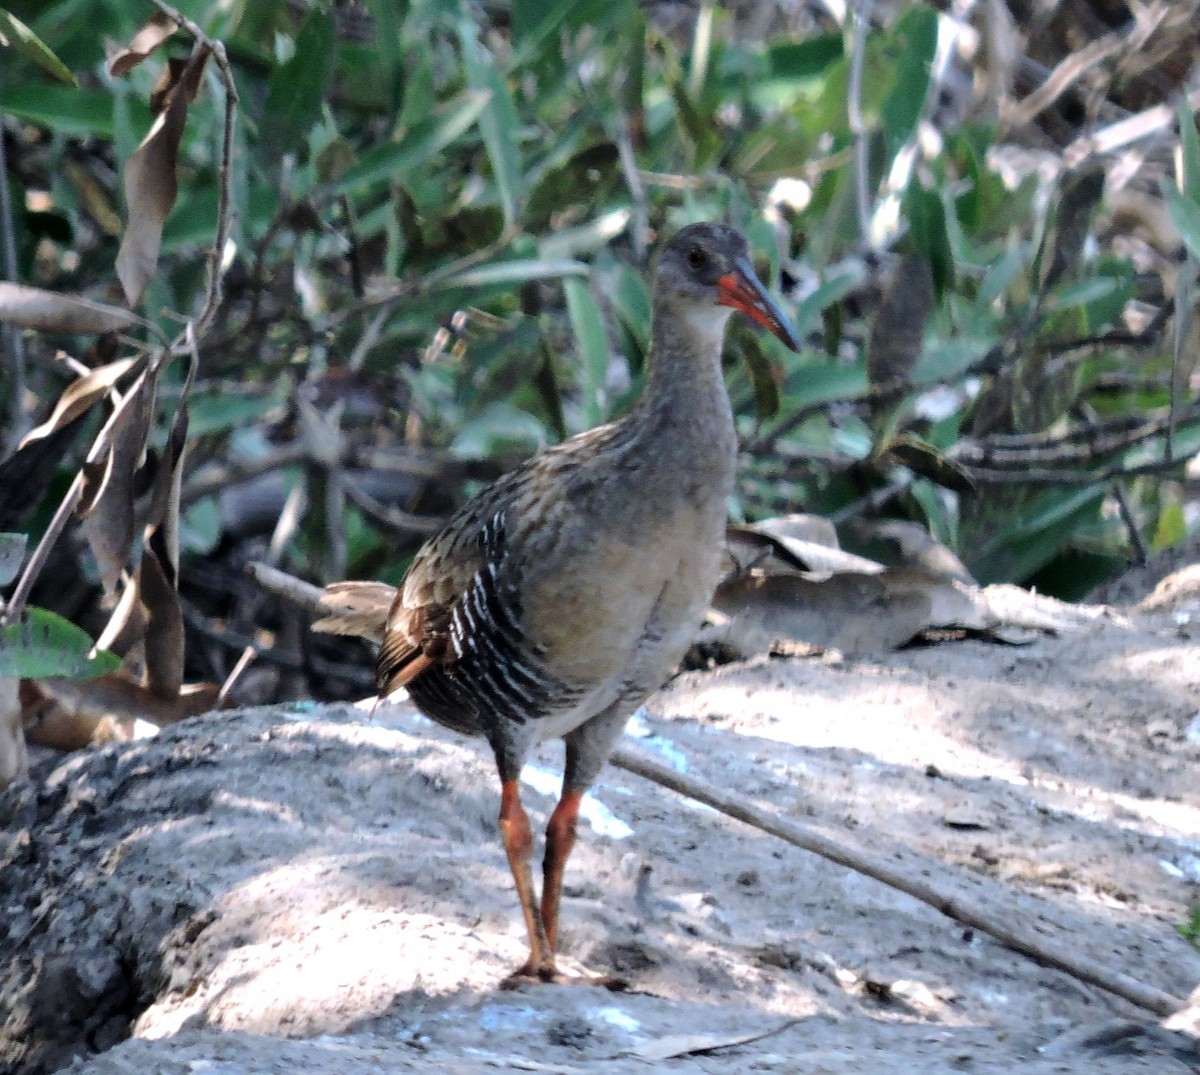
(559, 598)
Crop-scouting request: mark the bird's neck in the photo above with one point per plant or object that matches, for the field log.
(684, 409)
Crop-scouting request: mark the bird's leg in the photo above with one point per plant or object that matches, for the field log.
(560, 838)
(518, 845)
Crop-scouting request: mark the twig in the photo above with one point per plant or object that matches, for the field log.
(216, 274)
(402, 522)
(217, 255)
(1154, 120)
(1060, 451)
(1070, 70)
(957, 894)
(985, 476)
(369, 337)
(637, 189)
(242, 663)
(289, 587)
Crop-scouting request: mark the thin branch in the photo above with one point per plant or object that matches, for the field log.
(958, 894)
(395, 519)
(1060, 451)
(217, 255)
(627, 155)
(1034, 476)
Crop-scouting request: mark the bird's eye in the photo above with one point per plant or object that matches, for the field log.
(696, 258)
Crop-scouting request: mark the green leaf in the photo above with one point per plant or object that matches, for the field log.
(497, 122)
(698, 129)
(42, 644)
(389, 16)
(18, 36)
(828, 293)
(804, 61)
(1171, 528)
(67, 111)
(296, 90)
(533, 20)
(927, 233)
(1185, 215)
(498, 427)
(999, 275)
(419, 144)
(592, 341)
(1189, 145)
(915, 35)
(517, 271)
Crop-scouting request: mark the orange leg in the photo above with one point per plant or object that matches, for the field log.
(560, 839)
(518, 845)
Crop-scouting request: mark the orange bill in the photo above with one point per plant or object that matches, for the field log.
(742, 290)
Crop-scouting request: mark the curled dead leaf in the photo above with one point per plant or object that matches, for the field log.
(150, 181)
(109, 525)
(48, 311)
(69, 714)
(157, 30)
(80, 395)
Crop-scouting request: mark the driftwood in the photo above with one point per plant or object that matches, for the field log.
(958, 894)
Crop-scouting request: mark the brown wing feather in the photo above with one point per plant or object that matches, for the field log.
(416, 640)
(418, 624)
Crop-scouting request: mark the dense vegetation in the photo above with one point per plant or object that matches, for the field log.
(404, 244)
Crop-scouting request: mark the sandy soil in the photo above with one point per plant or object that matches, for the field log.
(298, 888)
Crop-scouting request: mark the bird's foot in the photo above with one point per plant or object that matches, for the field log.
(551, 975)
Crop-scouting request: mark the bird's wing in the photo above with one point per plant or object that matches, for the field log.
(419, 633)
(466, 572)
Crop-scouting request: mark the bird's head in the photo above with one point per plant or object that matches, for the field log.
(706, 267)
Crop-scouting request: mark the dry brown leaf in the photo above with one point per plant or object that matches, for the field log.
(917, 547)
(79, 396)
(69, 714)
(851, 612)
(109, 527)
(126, 626)
(48, 311)
(150, 182)
(792, 543)
(144, 42)
(356, 608)
(14, 759)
